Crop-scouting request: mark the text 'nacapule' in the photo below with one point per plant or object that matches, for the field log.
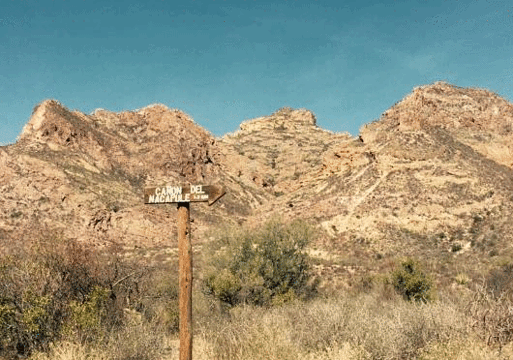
(170, 194)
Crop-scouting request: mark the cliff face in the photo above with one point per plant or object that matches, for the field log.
(432, 164)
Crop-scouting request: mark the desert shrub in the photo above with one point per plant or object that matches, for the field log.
(225, 285)
(87, 317)
(52, 289)
(262, 267)
(161, 301)
(67, 350)
(456, 247)
(491, 307)
(140, 342)
(499, 281)
(411, 282)
(7, 323)
(462, 349)
(137, 342)
(492, 316)
(30, 314)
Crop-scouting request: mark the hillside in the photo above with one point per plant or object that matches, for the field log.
(84, 174)
(432, 174)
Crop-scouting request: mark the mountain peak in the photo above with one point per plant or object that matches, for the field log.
(151, 120)
(52, 122)
(428, 166)
(38, 116)
(282, 119)
(451, 107)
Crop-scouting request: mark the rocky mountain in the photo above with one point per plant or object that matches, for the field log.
(84, 174)
(433, 174)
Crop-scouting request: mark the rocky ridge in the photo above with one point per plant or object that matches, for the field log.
(277, 152)
(84, 173)
(437, 166)
(477, 117)
(410, 174)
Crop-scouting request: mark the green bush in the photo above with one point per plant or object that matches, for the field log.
(87, 317)
(52, 288)
(411, 282)
(261, 267)
(36, 314)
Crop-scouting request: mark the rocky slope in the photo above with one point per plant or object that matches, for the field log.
(277, 152)
(84, 174)
(435, 168)
(476, 117)
(423, 178)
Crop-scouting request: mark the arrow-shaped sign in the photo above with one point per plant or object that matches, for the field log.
(183, 193)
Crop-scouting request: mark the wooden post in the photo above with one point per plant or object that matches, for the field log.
(185, 280)
(184, 195)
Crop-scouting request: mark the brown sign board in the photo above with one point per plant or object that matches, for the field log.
(183, 193)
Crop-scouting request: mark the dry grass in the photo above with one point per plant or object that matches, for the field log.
(132, 343)
(375, 325)
(67, 350)
(466, 349)
(370, 321)
(362, 326)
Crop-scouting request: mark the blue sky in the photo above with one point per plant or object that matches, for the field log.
(225, 61)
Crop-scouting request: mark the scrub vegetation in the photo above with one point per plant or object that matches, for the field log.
(256, 296)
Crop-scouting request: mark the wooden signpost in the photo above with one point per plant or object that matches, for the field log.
(183, 195)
